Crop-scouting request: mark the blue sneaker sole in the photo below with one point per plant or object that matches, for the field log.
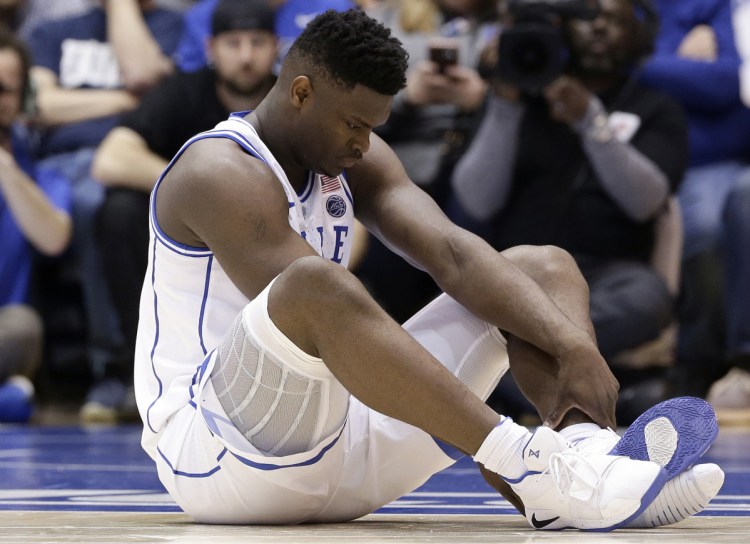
(674, 434)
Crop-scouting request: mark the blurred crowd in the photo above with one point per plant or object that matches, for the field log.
(618, 130)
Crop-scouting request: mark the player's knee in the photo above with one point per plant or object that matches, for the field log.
(319, 281)
(546, 260)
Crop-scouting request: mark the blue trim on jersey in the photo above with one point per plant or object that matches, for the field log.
(174, 245)
(451, 451)
(193, 474)
(198, 376)
(347, 193)
(203, 302)
(156, 341)
(311, 461)
(345, 185)
(308, 188)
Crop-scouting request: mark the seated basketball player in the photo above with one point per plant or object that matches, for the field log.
(273, 389)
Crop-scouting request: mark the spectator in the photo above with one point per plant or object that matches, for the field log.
(242, 49)
(88, 70)
(587, 163)
(23, 15)
(34, 216)
(731, 394)
(697, 62)
(430, 122)
(291, 18)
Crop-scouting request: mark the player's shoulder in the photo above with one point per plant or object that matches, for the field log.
(220, 171)
(222, 162)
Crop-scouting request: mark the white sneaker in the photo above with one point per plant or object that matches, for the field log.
(683, 496)
(673, 434)
(568, 488)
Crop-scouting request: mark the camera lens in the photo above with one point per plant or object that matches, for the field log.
(530, 57)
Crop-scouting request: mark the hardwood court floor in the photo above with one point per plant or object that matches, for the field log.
(72, 484)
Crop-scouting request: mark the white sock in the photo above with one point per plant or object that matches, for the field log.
(502, 450)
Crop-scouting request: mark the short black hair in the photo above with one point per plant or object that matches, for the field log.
(352, 48)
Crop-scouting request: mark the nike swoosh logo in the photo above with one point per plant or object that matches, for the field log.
(541, 524)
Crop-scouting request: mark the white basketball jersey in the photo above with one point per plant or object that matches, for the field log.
(188, 302)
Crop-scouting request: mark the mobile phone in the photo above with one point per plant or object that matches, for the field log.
(443, 56)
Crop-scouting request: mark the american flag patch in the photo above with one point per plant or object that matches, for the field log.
(329, 184)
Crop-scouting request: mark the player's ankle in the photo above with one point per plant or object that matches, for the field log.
(574, 416)
(502, 449)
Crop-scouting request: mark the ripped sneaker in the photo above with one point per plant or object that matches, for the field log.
(674, 434)
(567, 488)
(683, 496)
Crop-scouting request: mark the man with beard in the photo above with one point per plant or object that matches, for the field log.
(587, 162)
(243, 50)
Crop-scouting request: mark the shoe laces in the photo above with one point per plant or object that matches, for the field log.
(573, 475)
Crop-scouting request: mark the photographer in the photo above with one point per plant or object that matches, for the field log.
(431, 121)
(586, 161)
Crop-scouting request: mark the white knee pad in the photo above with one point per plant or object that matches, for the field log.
(281, 399)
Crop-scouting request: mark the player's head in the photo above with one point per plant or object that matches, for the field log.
(339, 77)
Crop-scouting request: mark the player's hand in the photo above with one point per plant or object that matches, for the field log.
(586, 383)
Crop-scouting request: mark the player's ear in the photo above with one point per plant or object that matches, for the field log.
(300, 91)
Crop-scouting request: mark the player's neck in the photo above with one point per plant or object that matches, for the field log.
(277, 141)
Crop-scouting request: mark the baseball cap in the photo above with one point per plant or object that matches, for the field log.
(242, 15)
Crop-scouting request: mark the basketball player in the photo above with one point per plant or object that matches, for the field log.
(274, 390)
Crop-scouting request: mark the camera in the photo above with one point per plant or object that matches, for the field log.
(533, 50)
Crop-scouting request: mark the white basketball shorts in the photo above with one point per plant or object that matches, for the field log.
(213, 472)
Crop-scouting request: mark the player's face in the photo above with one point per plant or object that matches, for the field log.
(338, 125)
(244, 59)
(10, 87)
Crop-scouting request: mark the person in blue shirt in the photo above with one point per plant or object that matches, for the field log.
(696, 61)
(88, 70)
(34, 217)
(731, 394)
(291, 18)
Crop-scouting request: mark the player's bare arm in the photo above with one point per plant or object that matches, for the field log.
(483, 280)
(220, 197)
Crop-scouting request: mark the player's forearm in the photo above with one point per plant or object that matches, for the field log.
(494, 289)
